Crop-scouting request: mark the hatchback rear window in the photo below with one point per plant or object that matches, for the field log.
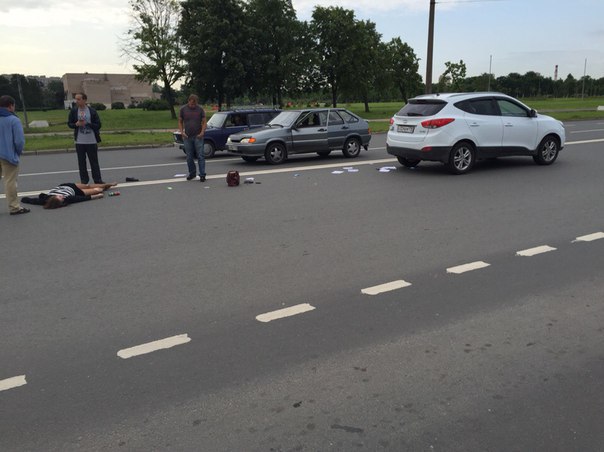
(420, 107)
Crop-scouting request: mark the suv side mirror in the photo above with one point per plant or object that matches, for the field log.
(532, 113)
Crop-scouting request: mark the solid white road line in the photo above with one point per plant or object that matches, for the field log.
(175, 180)
(149, 347)
(588, 131)
(568, 143)
(13, 382)
(286, 312)
(387, 287)
(534, 251)
(589, 237)
(467, 267)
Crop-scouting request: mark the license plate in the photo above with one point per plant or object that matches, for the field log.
(405, 129)
(232, 147)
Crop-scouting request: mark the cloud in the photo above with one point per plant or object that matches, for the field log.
(53, 13)
(305, 7)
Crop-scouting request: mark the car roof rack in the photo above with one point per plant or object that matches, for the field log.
(252, 108)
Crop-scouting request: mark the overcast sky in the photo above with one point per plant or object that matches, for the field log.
(54, 37)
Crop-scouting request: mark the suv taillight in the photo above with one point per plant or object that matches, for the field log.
(436, 123)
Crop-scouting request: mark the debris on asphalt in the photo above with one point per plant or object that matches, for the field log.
(386, 169)
(248, 180)
(180, 175)
(131, 179)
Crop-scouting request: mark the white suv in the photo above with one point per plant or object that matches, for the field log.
(460, 128)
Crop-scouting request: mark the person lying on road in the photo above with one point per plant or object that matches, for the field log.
(68, 193)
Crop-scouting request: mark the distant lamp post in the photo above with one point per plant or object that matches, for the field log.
(584, 75)
(490, 63)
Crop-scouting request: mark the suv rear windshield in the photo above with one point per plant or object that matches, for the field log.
(422, 107)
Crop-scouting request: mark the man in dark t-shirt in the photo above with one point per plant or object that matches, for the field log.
(192, 126)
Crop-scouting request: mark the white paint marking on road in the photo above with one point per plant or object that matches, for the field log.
(589, 237)
(294, 169)
(386, 287)
(587, 131)
(286, 312)
(13, 382)
(127, 167)
(149, 347)
(568, 143)
(157, 165)
(534, 251)
(467, 267)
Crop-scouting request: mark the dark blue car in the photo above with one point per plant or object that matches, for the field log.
(224, 123)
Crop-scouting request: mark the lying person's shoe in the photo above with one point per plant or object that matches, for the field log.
(20, 211)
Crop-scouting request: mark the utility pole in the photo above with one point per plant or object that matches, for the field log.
(430, 48)
(22, 100)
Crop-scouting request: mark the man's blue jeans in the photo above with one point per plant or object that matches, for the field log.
(194, 150)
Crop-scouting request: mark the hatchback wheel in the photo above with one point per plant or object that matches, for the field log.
(352, 148)
(461, 158)
(548, 151)
(275, 153)
(208, 149)
(407, 163)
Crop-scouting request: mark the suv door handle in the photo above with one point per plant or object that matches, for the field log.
(509, 124)
(345, 127)
(322, 130)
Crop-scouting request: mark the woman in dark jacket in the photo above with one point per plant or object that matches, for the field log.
(86, 124)
(67, 193)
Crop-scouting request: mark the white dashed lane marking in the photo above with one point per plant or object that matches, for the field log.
(467, 267)
(534, 251)
(14, 382)
(590, 237)
(386, 287)
(149, 347)
(286, 312)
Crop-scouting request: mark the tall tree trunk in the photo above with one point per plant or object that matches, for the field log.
(334, 96)
(169, 98)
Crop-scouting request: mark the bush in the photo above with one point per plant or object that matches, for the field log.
(98, 106)
(132, 106)
(117, 106)
(155, 104)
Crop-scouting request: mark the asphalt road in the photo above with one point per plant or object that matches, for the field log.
(508, 355)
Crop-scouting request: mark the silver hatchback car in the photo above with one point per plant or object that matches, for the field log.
(319, 130)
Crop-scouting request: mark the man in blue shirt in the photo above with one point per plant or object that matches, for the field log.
(12, 142)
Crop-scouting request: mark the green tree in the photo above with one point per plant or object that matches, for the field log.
(275, 31)
(333, 29)
(153, 43)
(216, 40)
(54, 94)
(366, 48)
(402, 67)
(454, 75)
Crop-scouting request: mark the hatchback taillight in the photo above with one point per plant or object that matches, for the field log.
(436, 123)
